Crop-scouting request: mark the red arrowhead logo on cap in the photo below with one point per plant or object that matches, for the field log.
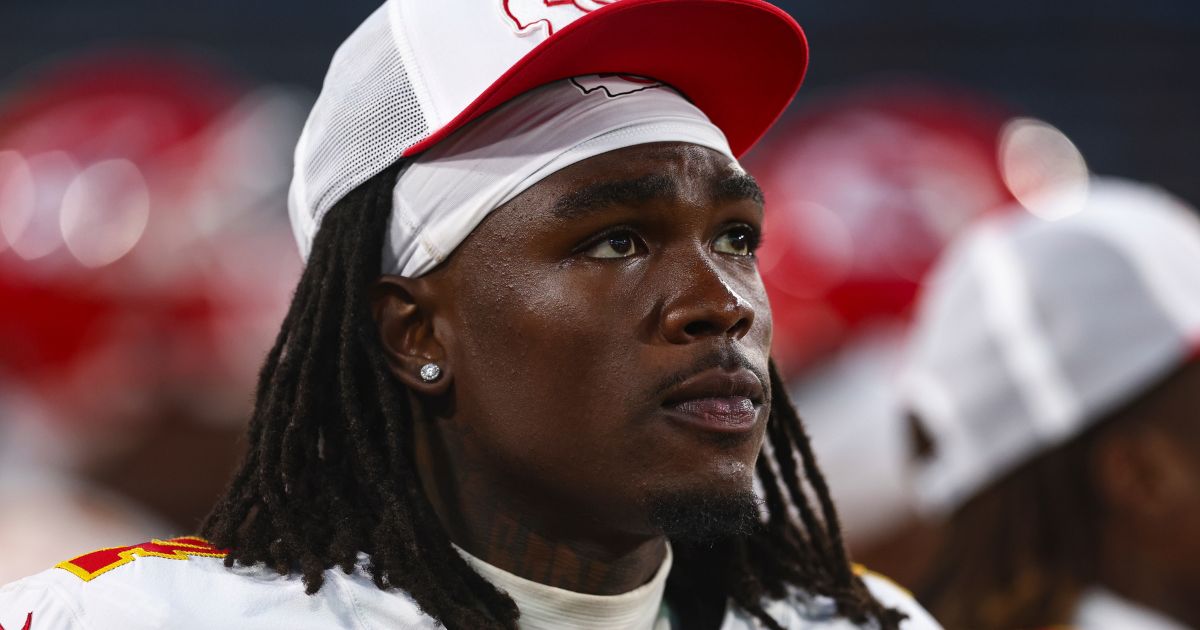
(529, 15)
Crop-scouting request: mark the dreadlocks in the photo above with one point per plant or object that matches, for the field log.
(329, 472)
(1019, 554)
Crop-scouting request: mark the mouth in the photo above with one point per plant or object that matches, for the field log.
(717, 400)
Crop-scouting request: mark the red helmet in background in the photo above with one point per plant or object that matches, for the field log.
(144, 244)
(863, 191)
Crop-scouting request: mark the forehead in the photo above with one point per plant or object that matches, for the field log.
(683, 173)
(679, 162)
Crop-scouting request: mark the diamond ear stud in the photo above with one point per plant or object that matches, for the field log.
(430, 372)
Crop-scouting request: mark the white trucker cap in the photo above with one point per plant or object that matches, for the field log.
(417, 70)
(1031, 330)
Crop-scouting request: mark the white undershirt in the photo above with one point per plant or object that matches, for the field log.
(1100, 609)
(549, 608)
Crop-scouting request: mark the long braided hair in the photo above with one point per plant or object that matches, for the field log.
(1020, 553)
(329, 471)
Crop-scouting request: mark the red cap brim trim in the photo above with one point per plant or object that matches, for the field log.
(740, 61)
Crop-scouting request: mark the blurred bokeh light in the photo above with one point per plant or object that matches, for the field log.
(146, 266)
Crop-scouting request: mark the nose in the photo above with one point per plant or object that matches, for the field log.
(704, 306)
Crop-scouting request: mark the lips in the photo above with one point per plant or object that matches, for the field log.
(717, 400)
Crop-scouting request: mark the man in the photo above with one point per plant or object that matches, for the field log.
(563, 365)
(1054, 389)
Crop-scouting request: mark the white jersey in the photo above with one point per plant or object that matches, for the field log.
(183, 584)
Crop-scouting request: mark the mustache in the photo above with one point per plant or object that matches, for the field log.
(724, 358)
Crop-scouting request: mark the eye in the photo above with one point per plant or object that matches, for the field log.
(615, 245)
(740, 240)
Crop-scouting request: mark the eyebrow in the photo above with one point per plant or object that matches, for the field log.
(633, 192)
(601, 195)
(737, 187)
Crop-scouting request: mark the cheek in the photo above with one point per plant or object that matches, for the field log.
(538, 319)
(542, 354)
(762, 309)
(757, 343)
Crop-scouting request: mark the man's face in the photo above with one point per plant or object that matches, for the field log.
(608, 336)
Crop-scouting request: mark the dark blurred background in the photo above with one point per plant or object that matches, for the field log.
(1120, 78)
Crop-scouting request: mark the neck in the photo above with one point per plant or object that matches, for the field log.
(535, 542)
(511, 543)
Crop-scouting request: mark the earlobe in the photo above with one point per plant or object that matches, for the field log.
(403, 312)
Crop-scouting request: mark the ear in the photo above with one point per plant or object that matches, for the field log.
(1139, 473)
(403, 309)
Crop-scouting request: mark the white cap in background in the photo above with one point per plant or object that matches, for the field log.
(1030, 330)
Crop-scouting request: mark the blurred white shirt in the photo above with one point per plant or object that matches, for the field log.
(1100, 609)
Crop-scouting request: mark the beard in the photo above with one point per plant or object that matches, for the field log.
(703, 518)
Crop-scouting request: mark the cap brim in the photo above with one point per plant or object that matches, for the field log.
(739, 61)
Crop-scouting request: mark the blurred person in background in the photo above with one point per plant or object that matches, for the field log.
(866, 186)
(1053, 388)
(145, 262)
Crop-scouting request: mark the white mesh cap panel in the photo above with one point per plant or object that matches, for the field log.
(367, 114)
(407, 71)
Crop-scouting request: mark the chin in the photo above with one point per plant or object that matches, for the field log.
(703, 515)
(728, 472)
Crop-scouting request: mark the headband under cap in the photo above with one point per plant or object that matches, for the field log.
(447, 191)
